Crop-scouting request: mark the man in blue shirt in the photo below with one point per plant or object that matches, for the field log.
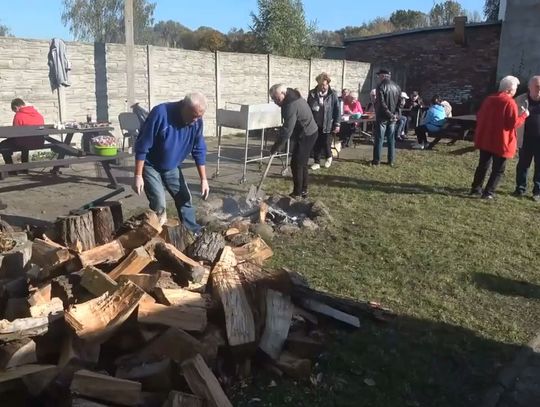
(170, 133)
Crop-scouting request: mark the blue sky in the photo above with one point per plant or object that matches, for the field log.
(41, 18)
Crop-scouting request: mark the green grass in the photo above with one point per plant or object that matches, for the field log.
(462, 274)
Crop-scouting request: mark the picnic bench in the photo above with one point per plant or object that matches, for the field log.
(60, 146)
(455, 128)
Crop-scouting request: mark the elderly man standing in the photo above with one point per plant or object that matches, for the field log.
(386, 116)
(529, 140)
(495, 135)
(170, 133)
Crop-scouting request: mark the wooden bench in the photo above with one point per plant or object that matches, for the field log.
(455, 129)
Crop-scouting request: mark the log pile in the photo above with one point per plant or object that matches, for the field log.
(105, 313)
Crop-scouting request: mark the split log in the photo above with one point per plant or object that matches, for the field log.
(22, 371)
(328, 311)
(279, 310)
(146, 281)
(211, 341)
(263, 211)
(53, 259)
(40, 295)
(107, 253)
(68, 289)
(116, 213)
(293, 366)
(206, 247)
(175, 233)
(106, 388)
(23, 328)
(76, 231)
(256, 251)
(139, 230)
(103, 224)
(97, 282)
(173, 260)
(15, 253)
(134, 263)
(154, 376)
(186, 318)
(203, 383)
(200, 276)
(180, 296)
(178, 399)
(253, 275)
(228, 288)
(17, 353)
(76, 350)
(54, 308)
(98, 318)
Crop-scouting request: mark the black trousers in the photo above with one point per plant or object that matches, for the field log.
(421, 134)
(323, 146)
(497, 171)
(527, 153)
(301, 149)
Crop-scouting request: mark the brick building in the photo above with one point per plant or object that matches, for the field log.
(458, 62)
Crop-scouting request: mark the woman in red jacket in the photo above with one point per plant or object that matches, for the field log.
(495, 135)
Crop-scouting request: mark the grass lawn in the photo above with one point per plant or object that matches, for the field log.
(462, 274)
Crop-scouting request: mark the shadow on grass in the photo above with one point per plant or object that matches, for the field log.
(408, 362)
(389, 188)
(507, 286)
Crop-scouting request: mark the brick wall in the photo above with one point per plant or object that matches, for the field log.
(431, 62)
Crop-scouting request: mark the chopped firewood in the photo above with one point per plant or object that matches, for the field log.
(304, 346)
(97, 282)
(211, 341)
(166, 281)
(99, 317)
(37, 382)
(107, 253)
(15, 254)
(180, 296)
(16, 308)
(139, 230)
(134, 263)
(76, 231)
(257, 251)
(206, 247)
(175, 233)
(178, 399)
(228, 288)
(328, 311)
(175, 261)
(68, 289)
(232, 232)
(279, 310)
(293, 366)
(308, 316)
(106, 388)
(263, 210)
(79, 351)
(254, 275)
(200, 276)
(187, 318)
(51, 258)
(40, 295)
(17, 353)
(116, 212)
(154, 376)
(203, 383)
(55, 308)
(23, 328)
(23, 371)
(174, 344)
(103, 224)
(146, 281)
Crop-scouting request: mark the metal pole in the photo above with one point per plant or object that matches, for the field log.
(130, 51)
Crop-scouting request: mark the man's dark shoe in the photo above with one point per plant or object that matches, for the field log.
(374, 163)
(518, 193)
(295, 196)
(488, 197)
(392, 164)
(536, 197)
(475, 192)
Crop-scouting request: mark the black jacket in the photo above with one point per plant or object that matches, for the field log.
(331, 115)
(297, 118)
(387, 102)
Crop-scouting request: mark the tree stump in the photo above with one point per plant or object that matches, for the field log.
(76, 231)
(103, 224)
(116, 213)
(206, 247)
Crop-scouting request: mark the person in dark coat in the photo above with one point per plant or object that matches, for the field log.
(300, 128)
(324, 104)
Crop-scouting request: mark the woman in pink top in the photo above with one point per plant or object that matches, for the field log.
(351, 105)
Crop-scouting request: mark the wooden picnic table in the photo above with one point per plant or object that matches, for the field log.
(456, 128)
(61, 146)
(362, 131)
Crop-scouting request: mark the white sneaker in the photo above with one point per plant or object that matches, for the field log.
(316, 166)
(418, 146)
(328, 162)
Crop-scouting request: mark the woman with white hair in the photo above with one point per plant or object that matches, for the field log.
(495, 136)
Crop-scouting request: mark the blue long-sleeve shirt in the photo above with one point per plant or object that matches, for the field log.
(435, 118)
(165, 140)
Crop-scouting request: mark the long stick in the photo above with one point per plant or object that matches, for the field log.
(266, 172)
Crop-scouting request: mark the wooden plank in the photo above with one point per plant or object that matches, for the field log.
(179, 399)
(257, 251)
(279, 311)
(228, 288)
(134, 263)
(107, 253)
(328, 311)
(179, 296)
(186, 318)
(17, 353)
(97, 282)
(23, 328)
(55, 307)
(106, 388)
(203, 383)
(99, 317)
(21, 371)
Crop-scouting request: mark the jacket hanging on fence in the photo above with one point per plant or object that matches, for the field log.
(59, 65)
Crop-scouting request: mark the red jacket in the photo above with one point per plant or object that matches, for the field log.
(28, 116)
(496, 124)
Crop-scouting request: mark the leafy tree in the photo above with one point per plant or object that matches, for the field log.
(444, 13)
(4, 31)
(241, 41)
(209, 39)
(170, 34)
(474, 17)
(326, 37)
(103, 20)
(408, 19)
(491, 10)
(280, 28)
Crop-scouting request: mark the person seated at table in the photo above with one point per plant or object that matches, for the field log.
(447, 108)
(401, 125)
(370, 108)
(24, 116)
(414, 106)
(433, 123)
(351, 106)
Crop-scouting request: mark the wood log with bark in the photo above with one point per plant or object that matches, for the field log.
(107, 253)
(139, 230)
(104, 226)
(186, 318)
(256, 251)
(175, 233)
(76, 231)
(23, 328)
(52, 258)
(116, 213)
(175, 261)
(206, 247)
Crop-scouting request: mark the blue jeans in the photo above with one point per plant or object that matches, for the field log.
(401, 126)
(384, 130)
(157, 181)
(529, 151)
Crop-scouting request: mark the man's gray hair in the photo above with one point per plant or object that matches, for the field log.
(535, 78)
(277, 88)
(196, 99)
(508, 83)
